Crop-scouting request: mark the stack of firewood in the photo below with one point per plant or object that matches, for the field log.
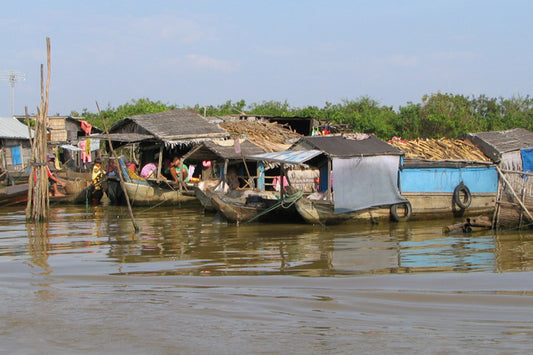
(270, 136)
(440, 149)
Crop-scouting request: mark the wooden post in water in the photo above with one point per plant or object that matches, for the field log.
(119, 169)
(38, 201)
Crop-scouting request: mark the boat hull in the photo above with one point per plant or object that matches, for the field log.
(432, 205)
(250, 207)
(13, 195)
(322, 212)
(148, 195)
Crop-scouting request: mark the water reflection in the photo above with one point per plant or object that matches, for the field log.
(184, 241)
(39, 247)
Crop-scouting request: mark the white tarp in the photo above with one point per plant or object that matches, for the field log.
(363, 182)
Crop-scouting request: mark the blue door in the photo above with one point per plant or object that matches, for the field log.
(16, 155)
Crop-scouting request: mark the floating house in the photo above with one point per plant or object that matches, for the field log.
(15, 149)
(157, 138)
(215, 160)
(15, 154)
(512, 151)
(357, 177)
(444, 178)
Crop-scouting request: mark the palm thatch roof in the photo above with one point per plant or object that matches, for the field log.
(270, 136)
(172, 127)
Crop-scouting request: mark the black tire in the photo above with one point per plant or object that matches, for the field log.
(462, 196)
(401, 211)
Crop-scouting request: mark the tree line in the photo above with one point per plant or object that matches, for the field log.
(437, 115)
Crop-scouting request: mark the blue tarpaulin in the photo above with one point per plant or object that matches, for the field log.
(527, 159)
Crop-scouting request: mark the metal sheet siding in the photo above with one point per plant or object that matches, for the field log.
(477, 179)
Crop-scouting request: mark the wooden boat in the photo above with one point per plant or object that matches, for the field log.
(88, 195)
(151, 193)
(13, 194)
(204, 196)
(315, 211)
(79, 191)
(247, 205)
(145, 192)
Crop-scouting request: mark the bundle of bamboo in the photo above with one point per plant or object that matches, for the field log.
(270, 136)
(440, 149)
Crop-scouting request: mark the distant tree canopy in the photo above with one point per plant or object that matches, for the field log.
(438, 115)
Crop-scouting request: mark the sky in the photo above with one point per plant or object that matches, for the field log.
(306, 53)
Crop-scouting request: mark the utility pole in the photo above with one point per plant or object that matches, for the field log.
(12, 77)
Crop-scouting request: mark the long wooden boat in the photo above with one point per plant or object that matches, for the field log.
(151, 193)
(13, 194)
(245, 206)
(323, 212)
(144, 193)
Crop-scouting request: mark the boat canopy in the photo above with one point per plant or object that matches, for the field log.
(287, 156)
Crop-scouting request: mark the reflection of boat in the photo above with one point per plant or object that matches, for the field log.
(13, 194)
(247, 205)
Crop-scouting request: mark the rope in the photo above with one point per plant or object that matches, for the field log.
(287, 202)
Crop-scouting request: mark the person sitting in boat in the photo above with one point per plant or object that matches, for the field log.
(53, 180)
(149, 171)
(97, 174)
(178, 174)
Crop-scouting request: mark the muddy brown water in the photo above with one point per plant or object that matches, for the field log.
(185, 284)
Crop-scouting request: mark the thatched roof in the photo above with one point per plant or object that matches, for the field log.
(223, 150)
(347, 146)
(172, 127)
(270, 136)
(496, 143)
(440, 149)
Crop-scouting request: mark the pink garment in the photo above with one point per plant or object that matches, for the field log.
(82, 144)
(148, 170)
(86, 127)
(277, 181)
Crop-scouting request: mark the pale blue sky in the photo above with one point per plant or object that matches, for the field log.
(304, 52)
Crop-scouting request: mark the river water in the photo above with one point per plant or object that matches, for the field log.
(186, 284)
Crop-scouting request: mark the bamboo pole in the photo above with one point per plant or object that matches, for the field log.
(119, 169)
(38, 200)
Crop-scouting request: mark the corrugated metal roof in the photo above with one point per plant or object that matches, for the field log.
(10, 127)
(287, 156)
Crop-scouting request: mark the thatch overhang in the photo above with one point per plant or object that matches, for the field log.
(222, 151)
(347, 145)
(175, 127)
(124, 138)
(495, 144)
